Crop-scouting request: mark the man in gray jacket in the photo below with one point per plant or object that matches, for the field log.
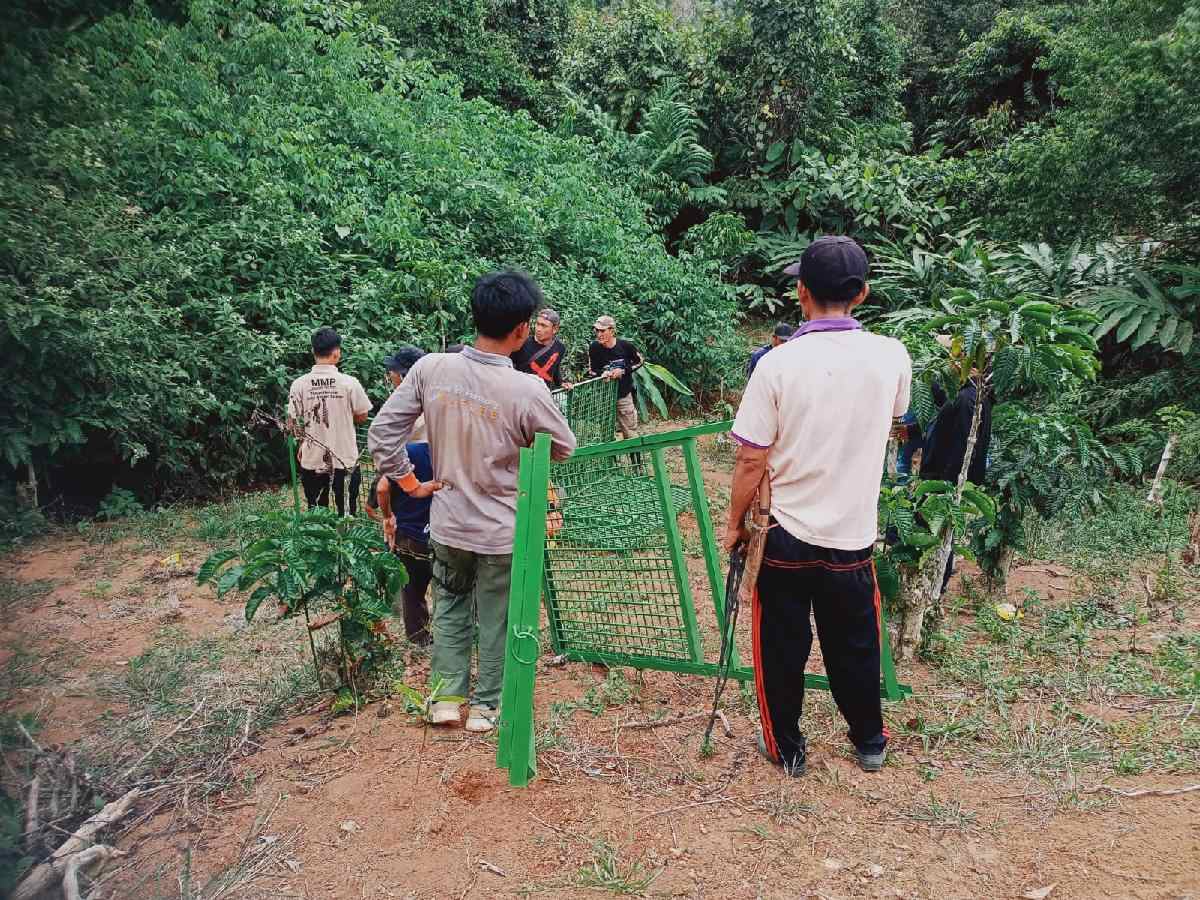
(479, 412)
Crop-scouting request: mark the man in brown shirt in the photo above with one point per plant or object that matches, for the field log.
(323, 408)
(479, 413)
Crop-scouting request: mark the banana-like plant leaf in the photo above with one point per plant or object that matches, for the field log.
(646, 384)
(665, 375)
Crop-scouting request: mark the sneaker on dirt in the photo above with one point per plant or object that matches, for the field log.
(870, 762)
(481, 720)
(444, 712)
(795, 768)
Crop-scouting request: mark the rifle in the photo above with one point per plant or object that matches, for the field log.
(744, 562)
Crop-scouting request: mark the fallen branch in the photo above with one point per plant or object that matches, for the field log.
(81, 860)
(42, 877)
(31, 810)
(659, 723)
(1149, 792)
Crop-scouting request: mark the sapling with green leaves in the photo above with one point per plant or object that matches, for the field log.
(317, 561)
(1000, 341)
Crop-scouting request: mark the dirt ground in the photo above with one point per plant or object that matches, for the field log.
(375, 805)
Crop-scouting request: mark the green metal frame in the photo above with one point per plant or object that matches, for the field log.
(515, 742)
(532, 575)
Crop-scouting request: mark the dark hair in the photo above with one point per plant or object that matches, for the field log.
(455, 348)
(783, 330)
(503, 300)
(325, 340)
(403, 359)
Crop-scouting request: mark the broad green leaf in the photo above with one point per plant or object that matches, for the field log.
(1129, 326)
(1166, 334)
(646, 384)
(665, 376)
(210, 566)
(1183, 338)
(932, 486)
(255, 600)
(1146, 330)
(228, 580)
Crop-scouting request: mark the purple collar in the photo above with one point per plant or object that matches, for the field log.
(845, 323)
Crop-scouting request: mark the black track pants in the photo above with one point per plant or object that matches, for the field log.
(316, 488)
(839, 588)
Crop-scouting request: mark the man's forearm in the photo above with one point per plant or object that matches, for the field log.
(389, 433)
(748, 469)
(383, 495)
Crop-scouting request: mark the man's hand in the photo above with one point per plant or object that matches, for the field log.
(734, 535)
(389, 532)
(748, 469)
(425, 489)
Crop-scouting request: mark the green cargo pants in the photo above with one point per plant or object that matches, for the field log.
(469, 586)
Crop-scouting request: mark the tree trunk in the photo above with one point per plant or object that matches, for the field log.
(27, 493)
(1154, 498)
(1191, 553)
(923, 592)
(997, 582)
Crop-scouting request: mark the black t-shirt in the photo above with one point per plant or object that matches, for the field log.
(542, 361)
(623, 354)
(946, 444)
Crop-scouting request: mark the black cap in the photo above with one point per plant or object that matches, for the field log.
(783, 330)
(833, 268)
(403, 359)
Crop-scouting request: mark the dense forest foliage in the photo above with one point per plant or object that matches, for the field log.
(188, 189)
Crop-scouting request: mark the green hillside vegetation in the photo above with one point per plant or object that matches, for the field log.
(183, 205)
(190, 187)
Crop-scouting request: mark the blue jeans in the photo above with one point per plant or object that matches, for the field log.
(907, 450)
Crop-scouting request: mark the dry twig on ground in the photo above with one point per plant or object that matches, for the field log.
(43, 876)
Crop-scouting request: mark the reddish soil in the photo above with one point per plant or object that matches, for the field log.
(374, 806)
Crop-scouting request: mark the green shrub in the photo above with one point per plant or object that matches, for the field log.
(183, 205)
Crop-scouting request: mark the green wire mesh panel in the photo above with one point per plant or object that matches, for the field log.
(611, 583)
(366, 466)
(591, 410)
(598, 539)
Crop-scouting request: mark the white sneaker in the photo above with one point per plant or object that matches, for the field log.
(482, 719)
(444, 712)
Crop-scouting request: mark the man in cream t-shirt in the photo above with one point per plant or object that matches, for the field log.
(817, 415)
(323, 408)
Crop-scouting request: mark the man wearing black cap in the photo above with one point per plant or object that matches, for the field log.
(817, 415)
(542, 354)
(779, 336)
(398, 363)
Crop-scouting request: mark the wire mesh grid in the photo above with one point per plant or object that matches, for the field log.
(591, 410)
(611, 579)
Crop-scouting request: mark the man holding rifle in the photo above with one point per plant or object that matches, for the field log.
(815, 420)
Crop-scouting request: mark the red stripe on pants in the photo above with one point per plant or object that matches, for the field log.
(764, 713)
